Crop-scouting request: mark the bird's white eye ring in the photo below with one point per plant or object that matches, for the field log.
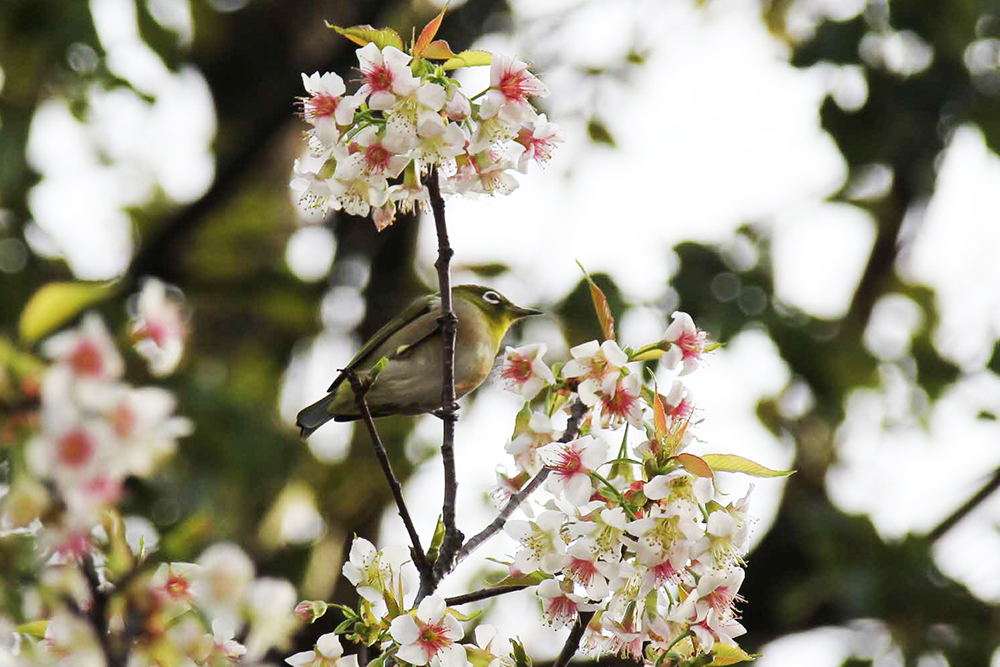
(491, 297)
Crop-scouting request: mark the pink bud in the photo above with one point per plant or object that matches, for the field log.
(310, 610)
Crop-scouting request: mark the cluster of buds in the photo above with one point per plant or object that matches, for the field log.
(369, 151)
(632, 536)
(90, 430)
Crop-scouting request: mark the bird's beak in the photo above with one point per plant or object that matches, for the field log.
(520, 313)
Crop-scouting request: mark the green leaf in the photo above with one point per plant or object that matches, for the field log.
(56, 303)
(599, 133)
(729, 654)
(363, 34)
(521, 658)
(34, 629)
(466, 617)
(734, 463)
(649, 352)
(531, 579)
(472, 58)
(600, 306)
(695, 465)
(427, 34)
(438, 50)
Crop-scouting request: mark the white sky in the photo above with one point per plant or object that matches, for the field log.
(714, 131)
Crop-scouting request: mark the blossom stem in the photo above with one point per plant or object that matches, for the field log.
(614, 492)
(485, 594)
(419, 557)
(449, 409)
(572, 428)
(479, 94)
(573, 641)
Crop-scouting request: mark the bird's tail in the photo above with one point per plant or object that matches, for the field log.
(313, 416)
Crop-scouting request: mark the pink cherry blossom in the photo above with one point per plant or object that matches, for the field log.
(688, 343)
(385, 75)
(539, 140)
(326, 102)
(433, 633)
(599, 366)
(523, 371)
(571, 465)
(511, 84)
(160, 326)
(87, 350)
(559, 607)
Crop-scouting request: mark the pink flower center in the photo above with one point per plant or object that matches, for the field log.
(513, 87)
(569, 463)
(377, 158)
(620, 405)
(517, 368)
(691, 344)
(663, 573)
(433, 638)
(320, 106)
(123, 420)
(178, 587)
(105, 489)
(721, 600)
(582, 570)
(76, 545)
(561, 608)
(75, 448)
(379, 79)
(86, 358)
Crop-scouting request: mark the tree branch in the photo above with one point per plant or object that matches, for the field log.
(572, 428)
(972, 503)
(419, 557)
(573, 641)
(449, 409)
(485, 594)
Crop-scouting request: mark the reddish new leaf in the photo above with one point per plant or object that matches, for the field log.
(694, 465)
(600, 306)
(659, 416)
(427, 34)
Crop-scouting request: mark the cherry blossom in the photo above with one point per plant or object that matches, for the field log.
(623, 404)
(523, 371)
(385, 75)
(159, 327)
(688, 343)
(511, 84)
(525, 446)
(327, 652)
(539, 140)
(87, 350)
(599, 364)
(559, 606)
(433, 633)
(543, 547)
(326, 102)
(377, 573)
(571, 465)
(222, 581)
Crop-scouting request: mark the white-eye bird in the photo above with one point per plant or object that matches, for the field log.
(410, 383)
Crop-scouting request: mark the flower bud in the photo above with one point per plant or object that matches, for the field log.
(310, 610)
(458, 107)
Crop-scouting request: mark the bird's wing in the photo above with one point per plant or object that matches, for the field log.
(420, 319)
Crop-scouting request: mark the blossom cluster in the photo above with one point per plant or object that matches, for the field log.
(369, 150)
(90, 431)
(633, 531)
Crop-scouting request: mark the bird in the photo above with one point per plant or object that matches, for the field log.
(410, 381)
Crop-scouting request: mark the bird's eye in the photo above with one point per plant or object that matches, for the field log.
(491, 297)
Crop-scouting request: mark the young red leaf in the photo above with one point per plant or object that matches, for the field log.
(600, 306)
(427, 34)
(363, 34)
(659, 416)
(694, 465)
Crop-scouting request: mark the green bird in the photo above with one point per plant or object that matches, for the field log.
(410, 383)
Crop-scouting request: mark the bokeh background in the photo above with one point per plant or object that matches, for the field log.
(815, 181)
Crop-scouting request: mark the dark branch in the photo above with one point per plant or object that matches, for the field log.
(972, 503)
(484, 594)
(419, 557)
(572, 428)
(448, 413)
(573, 641)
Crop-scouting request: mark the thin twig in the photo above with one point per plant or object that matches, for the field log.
(972, 503)
(572, 428)
(484, 594)
(449, 325)
(419, 557)
(573, 641)
(97, 615)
